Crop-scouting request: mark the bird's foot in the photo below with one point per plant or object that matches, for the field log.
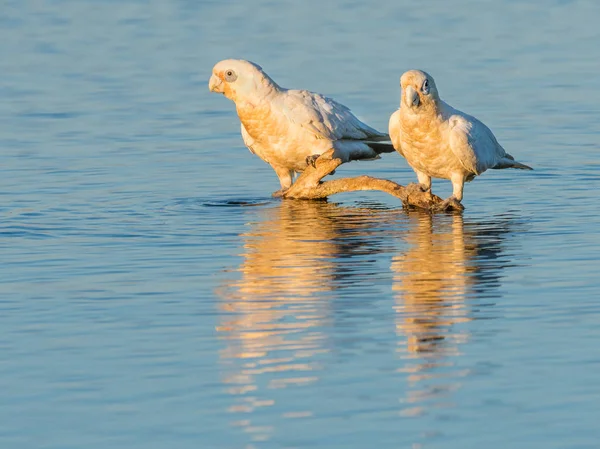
(279, 193)
(312, 160)
(450, 204)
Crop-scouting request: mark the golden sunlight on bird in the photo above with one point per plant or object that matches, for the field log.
(442, 142)
(288, 128)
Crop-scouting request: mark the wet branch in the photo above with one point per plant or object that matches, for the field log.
(309, 186)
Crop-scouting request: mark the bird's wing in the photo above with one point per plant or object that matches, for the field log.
(395, 131)
(324, 117)
(473, 144)
(248, 140)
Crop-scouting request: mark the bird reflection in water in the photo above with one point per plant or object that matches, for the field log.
(449, 271)
(276, 315)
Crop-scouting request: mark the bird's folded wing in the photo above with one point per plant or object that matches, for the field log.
(248, 140)
(473, 144)
(324, 117)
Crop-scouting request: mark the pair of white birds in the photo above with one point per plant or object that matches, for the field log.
(288, 129)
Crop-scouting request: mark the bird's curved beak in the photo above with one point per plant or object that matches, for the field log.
(215, 84)
(411, 96)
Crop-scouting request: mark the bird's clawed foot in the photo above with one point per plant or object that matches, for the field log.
(279, 193)
(450, 204)
(312, 160)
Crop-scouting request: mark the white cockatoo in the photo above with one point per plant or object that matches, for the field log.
(289, 128)
(440, 141)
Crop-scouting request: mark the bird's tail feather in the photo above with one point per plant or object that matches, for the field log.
(380, 147)
(378, 138)
(351, 150)
(521, 166)
(508, 162)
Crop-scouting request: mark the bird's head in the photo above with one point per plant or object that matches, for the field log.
(418, 90)
(236, 78)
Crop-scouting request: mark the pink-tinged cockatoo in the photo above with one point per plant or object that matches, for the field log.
(289, 128)
(440, 141)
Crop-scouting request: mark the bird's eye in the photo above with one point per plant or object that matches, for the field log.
(425, 87)
(230, 76)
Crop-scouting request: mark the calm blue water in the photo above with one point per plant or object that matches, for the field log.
(153, 295)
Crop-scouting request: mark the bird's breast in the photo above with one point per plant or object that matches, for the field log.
(425, 145)
(258, 121)
(275, 141)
